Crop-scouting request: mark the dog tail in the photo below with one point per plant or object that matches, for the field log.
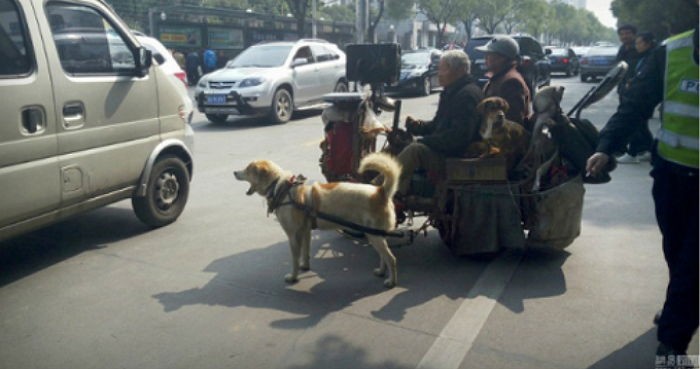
(385, 165)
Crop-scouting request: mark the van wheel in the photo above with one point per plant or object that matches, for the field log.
(217, 118)
(282, 106)
(584, 77)
(166, 193)
(341, 87)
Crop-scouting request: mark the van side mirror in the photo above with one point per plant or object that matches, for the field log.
(144, 61)
(547, 51)
(299, 61)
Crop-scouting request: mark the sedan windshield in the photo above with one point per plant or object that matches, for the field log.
(415, 58)
(265, 56)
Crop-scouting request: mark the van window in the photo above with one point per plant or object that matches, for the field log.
(15, 57)
(87, 43)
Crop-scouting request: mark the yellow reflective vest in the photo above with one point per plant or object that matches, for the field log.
(678, 136)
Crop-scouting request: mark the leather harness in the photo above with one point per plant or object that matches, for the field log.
(278, 192)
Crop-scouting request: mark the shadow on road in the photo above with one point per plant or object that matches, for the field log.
(29, 253)
(240, 123)
(640, 353)
(342, 274)
(333, 352)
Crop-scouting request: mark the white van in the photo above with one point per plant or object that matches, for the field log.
(86, 119)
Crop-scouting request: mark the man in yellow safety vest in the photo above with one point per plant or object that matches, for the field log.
(670, 77)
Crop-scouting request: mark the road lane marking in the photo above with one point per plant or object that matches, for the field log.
(457, 337)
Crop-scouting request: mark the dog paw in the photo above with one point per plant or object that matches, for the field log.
(389, 283)
(291, 278)
(379, 272)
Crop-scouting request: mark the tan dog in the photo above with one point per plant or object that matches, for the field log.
(500, 137)
(368, 205)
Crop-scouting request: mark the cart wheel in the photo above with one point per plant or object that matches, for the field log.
(445, 230)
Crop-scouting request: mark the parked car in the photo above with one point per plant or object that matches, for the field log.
(273, 79)
(86, 119)
(418, 72)
(162, 56)
(534, 66)
(580, 51)
(597, 62)
(564, 59)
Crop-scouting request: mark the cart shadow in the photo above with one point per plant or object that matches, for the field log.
(332, 351)
(538, 275)
(341, 275)
(640, 353)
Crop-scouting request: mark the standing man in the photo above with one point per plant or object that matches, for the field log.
(502, 54)
(670, 75)
(210, 63)
(639, 148)
(627, 34)
(454, 127)
(192, 67)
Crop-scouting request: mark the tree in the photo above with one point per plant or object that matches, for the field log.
(338, 13)
(299, 10)
(394, 9)
(441, 13)
(492, 13)
(663, 18)
(467, 14)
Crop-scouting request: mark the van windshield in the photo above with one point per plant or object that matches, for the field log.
(265, 56)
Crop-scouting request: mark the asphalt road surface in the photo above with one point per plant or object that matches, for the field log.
(103, 291)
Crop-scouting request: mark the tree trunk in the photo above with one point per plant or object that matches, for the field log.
(373, 24)
(468, 28)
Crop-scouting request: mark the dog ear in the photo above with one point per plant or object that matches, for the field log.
(558, 93)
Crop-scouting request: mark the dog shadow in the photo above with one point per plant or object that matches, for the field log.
(341, 275)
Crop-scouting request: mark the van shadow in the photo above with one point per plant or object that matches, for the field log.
(342, 274)
(26, 254)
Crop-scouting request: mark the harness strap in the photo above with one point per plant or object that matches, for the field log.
(274, 201)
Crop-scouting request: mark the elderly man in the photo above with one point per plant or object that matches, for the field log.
(505, 81)
(454, 127)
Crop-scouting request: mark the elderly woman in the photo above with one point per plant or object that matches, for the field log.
(454, 127)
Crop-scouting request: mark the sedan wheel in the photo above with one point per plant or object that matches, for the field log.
(427, 86)
(282, 106)
(341, 87)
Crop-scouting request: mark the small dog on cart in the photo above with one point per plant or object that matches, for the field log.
(300, 207)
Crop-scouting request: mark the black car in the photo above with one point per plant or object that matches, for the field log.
(534, 65)
(564, 59)
(598, 61)
(418, 72)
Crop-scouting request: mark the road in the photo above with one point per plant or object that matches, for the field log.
(103, 291)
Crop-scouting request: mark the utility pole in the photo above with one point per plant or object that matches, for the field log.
(361, 19)
(313, 18)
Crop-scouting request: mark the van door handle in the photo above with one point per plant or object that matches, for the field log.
(73, 115)
(33, 119)
(72, 110)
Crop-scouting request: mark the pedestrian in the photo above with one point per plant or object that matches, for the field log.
(454, 126)
(221, 59)
(179, 58)
(209, 64)
(502, 58)
(641, 141)
(192, 67)
(627, 34)
(670, 75)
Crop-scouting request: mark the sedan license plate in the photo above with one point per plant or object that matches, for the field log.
(216, 99)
